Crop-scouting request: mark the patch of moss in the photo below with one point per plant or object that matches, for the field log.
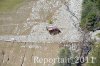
(66, 54)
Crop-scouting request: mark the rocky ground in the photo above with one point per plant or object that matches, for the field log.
(25, 34)
(65, 15)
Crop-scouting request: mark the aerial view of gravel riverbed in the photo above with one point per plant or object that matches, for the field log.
(49, 32)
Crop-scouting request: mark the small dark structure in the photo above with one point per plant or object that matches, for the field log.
(53, 30)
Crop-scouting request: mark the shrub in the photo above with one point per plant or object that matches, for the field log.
(95, 53)
(64, 53)
(50, 22)
(90, 15)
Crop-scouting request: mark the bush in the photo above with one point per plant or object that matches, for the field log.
(90, 15)
(95, 53)
(50, 22)
(64, 53)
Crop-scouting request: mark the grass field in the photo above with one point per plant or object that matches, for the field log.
(90, 21)
(6, 5)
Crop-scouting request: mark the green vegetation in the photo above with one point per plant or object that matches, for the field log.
(90, 15)
(50, 22)
(98, 35)
(96, 54)
(90, 21)
(64, 53)
(6, 5)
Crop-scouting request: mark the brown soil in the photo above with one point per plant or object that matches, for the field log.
(20, 54)
(16, 17)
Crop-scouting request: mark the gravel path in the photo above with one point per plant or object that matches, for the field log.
(65, 16)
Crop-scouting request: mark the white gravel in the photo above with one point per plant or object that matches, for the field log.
(62, 18)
